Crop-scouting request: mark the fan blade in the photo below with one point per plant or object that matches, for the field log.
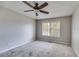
(44, 11)
(43, 5)
(28, 10)
(28, 4)
(36, 14)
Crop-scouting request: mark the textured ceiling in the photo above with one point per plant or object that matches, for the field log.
(55, 8)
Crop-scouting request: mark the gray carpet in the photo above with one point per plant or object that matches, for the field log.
(41, 49)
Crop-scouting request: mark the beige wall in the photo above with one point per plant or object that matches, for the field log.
(15, 29)
(75, 31)
(65, 30)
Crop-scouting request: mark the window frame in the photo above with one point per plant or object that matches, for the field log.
(50, 28)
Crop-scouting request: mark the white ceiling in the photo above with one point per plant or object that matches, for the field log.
(55, 8)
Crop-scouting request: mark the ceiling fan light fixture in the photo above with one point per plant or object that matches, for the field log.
(36, 11)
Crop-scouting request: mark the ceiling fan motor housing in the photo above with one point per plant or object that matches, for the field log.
(36, 6)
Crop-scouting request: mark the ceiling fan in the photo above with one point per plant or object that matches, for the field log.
(37, 8)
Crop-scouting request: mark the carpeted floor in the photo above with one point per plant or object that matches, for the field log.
(41, 49)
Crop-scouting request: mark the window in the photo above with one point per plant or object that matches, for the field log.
(51, 29)
(45, 29)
